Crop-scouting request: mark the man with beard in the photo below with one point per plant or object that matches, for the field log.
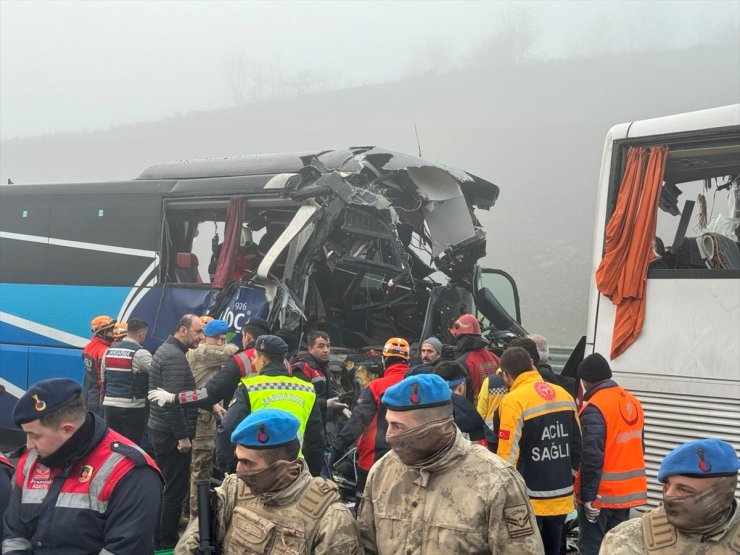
(80, 487)
(171, 428)
(314, 364)
(699, 515)
(471, 351)
(272, 505)
(436, 492)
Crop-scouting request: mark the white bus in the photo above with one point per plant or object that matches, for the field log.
(685, 365)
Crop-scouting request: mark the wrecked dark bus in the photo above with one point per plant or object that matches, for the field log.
(363, 243)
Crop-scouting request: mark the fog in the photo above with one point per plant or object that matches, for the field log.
(521, 94)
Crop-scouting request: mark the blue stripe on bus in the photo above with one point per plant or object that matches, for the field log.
(68, 308)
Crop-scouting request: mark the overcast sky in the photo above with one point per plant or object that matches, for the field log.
(73, 66)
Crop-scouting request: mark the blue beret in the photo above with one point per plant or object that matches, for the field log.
(417, 392)
(216, 327)
(700, 458)
(43, 398)
(266, 429)
(271, 344)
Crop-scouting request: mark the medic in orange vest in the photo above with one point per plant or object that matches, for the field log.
(611, 479)
(80, 487)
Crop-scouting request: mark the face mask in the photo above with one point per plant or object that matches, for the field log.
(275, 477)
(420, 444)
(705, 511)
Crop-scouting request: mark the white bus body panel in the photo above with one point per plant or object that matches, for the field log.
(685, 365)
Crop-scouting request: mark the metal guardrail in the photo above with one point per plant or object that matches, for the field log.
(558, 357)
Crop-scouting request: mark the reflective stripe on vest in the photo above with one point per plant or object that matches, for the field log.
(622, 483)
(244, 362)
(288, 393)
(88, 485)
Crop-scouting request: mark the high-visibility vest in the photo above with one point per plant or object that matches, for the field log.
(623, 483)
(287, 393)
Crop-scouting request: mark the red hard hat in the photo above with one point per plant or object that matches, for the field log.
(465, 324)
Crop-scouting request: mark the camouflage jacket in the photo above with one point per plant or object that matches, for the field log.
(206, 360)
(302, 519)
(469, 501)
(653, 535)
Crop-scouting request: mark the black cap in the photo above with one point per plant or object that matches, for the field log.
(271, 344)
(594, 368)
(43, 398)
(256, 326)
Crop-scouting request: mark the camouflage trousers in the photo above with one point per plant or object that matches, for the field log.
(201, 465)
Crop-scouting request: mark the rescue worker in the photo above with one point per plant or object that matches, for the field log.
(471, 351)
(276, 387)
(126, 367)
(699, 515)
(92, 357)
(611, 479)
(272, 505)
(220, 388)
(205, 361)
(6, 474)
(314, 364)
(367, 425)
(437, 492)
(539, 433)
(543, 367)
(80, 487)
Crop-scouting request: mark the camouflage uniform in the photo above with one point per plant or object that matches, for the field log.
(204, 362)
(653, 535)
(469, 501)
(304, 518)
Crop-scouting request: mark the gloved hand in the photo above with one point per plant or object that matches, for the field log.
(334, 404)
(592, 513)
(347, 412)
(161, 397)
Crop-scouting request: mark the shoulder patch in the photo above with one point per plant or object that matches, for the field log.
(129, 451)
(518, 521)
(318, 496)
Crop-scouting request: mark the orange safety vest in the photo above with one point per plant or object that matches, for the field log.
(623, 483)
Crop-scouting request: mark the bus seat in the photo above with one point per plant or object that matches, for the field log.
(186, 268)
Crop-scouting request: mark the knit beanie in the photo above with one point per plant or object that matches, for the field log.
(435, 343)
(594, 368)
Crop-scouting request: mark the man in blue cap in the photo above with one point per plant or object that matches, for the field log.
(277, 387)
(80, 487)
(436, 492)
(272, 505)
(699, 515)
(205, 361)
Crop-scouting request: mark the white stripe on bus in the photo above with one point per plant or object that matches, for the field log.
(77, 244)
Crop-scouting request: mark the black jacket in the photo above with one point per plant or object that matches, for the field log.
(240, 408)
(171, 372)
(317, 372)
(469, 421)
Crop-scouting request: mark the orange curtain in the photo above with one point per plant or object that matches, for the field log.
(628, 250)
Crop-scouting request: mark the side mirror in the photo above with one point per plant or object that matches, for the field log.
(502, 288)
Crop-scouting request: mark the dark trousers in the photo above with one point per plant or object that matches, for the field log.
(551, 530)
(128, 422)
(175, 467)
(591, 534)
(361, 481)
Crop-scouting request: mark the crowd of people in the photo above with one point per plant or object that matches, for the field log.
(459, 451)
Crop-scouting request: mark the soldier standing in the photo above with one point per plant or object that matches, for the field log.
(699, 515)
(272, 505)
(436, 492)
(204, 362)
